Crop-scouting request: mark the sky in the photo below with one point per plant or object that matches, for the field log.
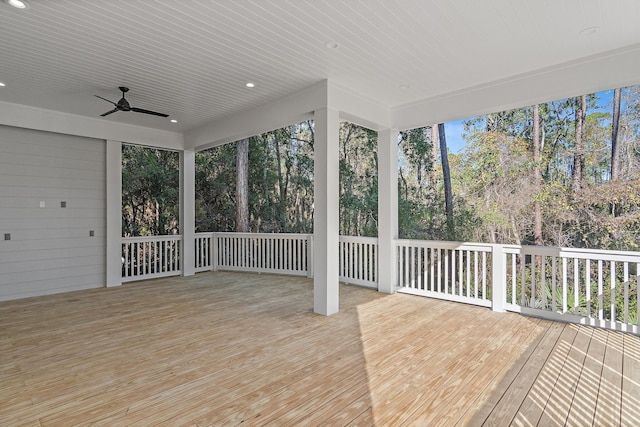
(454, 130)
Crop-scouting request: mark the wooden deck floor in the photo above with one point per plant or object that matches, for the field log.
(228, 348)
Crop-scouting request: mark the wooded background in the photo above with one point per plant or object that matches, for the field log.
(563, 173)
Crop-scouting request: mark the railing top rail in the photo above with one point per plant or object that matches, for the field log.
(263, 235)
(168, 237)
(599, 254)
(438, 244)
(204, 234)
(360, 239)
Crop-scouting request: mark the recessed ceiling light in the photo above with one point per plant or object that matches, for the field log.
(174, 121)
(589, 31)
(404, 87)
(2, 84)
(250, 85)
(18, 4)
(331, 44)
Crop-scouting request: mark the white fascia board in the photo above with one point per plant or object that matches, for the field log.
(25, 116)
(282, 112)
(357, 108)
(613, 69)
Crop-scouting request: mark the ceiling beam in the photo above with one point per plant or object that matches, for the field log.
(24, 116)
(613, 69)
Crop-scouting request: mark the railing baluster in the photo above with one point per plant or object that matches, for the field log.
(484, 275)
(543, 280)
(587, 278)
(600, 291)
(638, 293)
(576, 285)
(625, 276)
(514, 275)
(468, 255)
(439, 270)
(613, 290)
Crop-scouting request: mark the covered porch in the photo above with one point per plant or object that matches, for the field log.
(230, 345)
(228, 348)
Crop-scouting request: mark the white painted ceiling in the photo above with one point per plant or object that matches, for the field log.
(192, 58)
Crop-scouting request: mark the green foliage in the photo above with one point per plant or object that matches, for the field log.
(280, 183)
(492, 181)
(358, 180)
(150, 191)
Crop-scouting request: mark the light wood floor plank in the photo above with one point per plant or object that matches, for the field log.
(584, 400)
(503, 408)
(559, 403)
(230, 348)
(609, 402)
(631, 381)
(532, 407)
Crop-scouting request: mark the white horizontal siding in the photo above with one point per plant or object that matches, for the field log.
(19, 224)
(47, 264)
(39, 171)
(42, 193)
(50, 202)
(51, 249)
(18, 244)
(53, 212)
(40, 255)
(46, 234)
(78, 183)
(54, 286)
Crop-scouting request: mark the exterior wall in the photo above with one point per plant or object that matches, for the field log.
(50, 248)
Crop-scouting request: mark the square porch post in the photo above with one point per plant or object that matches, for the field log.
(114, 213)
(326, 227)
(387, 210)
(187, 202)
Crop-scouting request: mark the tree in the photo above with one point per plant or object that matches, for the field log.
(615, 127)
(434, 156)
(358, 180)
(150, 191)
(537, 177)
(446, 173)
(242, 186)
(578, 177)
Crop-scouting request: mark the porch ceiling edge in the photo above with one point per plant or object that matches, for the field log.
(24, 116)
(608, 70)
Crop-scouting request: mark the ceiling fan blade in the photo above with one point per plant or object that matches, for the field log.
(140, 110)
(106, 100)
(109, 112)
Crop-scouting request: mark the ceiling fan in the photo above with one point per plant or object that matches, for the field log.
(123, 105)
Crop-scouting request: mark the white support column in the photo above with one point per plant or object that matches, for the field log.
(387, 210)
(114, 213)
(326, 227)
(187, 210)
(498, 278)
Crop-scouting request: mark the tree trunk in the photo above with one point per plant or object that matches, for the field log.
(615, 127)
(242, 185)
(579, 149)
(434, 158)
(282, 202)
(537, 177)
(448, 196)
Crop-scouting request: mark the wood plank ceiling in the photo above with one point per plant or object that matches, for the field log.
(191, 59)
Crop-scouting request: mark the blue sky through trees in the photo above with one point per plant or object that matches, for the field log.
(455, 130)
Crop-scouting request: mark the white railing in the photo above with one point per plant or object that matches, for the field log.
(264, 253)
(446, 270)
(592, 287)
(204, 252)
(150, 257)
(358, 261)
